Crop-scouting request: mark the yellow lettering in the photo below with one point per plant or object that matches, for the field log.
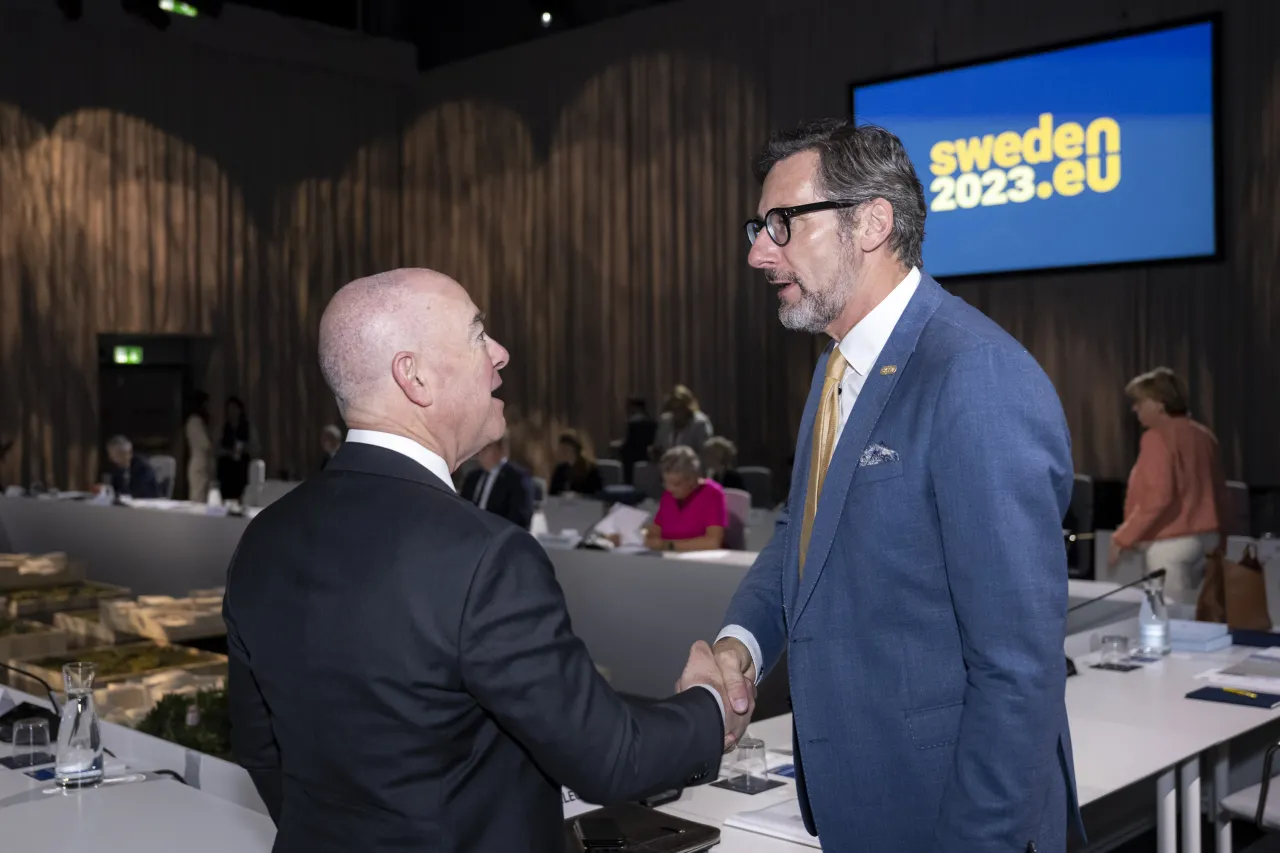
(975, 152)
(1102, 127)
(1068, 178)
(1037, 143)
(1068, 141)
(943, 155)
(1097, 182)
(1008, 150)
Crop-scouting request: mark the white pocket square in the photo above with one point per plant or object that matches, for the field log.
(877, 454)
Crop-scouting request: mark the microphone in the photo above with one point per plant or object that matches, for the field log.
(53, 700)
(1149, 576)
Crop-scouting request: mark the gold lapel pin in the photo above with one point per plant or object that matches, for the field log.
(889, 370)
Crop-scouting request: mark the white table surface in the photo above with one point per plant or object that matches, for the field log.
(158, 816)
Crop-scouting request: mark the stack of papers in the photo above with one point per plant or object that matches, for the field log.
(777, 821)
(1259, 672)
(1191, 636)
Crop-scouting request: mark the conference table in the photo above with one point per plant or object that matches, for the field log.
(638, 615)
(137, 811)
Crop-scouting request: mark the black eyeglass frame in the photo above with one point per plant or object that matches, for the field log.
(754, 226)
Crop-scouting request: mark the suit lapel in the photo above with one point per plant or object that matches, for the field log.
(866, 413)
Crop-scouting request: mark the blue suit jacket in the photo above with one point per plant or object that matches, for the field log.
(925, 640)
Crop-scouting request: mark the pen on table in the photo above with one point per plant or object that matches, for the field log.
(1244, 693)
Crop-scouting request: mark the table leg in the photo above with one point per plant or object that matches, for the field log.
(1221, 788)
(1167, 812)
(1189, 794)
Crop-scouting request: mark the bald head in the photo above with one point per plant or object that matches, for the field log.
(371, 319)
(405, 351)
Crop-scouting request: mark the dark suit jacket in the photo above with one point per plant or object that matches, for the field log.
(403, 676)
(138, 482)
(511, 496)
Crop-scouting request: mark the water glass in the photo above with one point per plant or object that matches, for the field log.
(749, 768)
(30, 741)
(1115, 650)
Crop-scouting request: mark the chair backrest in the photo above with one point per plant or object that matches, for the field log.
(166, 468)
(610, 471)
(1080, 513)
(647, 478)
(759, 483)
(539, 490)
(739, 504)
(1238, 521)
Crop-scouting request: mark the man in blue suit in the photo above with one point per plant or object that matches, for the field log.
(917, 579)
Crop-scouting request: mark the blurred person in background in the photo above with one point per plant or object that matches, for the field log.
(200, 465)
(720, 461)
(575, 472)
(128, 473)
(238, 447)
(1175, 508)
(683, 423)
(500, 486)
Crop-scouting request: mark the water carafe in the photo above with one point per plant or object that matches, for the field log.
(1153, 620)
(79, 760)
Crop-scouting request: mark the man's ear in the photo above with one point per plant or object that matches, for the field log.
(411, 378)
(876, 224)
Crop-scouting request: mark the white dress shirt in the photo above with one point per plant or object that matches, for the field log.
(861, 348)
(408, 447)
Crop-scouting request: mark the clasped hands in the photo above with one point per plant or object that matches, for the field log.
(729, 670)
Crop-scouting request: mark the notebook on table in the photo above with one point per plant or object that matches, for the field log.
(647, 830)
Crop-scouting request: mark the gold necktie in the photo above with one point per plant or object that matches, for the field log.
(824, 442)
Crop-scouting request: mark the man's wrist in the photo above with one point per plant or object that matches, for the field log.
(739, 649)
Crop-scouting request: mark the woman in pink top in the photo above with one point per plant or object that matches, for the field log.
(1175, 506)
(693, 514)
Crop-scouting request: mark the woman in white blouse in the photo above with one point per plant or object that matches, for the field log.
(199, 448)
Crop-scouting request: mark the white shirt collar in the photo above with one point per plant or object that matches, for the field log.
(406, 446)
(862, 345)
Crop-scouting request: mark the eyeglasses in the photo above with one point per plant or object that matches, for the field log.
(778, 221)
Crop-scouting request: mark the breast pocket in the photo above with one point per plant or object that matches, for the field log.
(876, 473)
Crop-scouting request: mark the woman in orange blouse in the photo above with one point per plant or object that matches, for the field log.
(1175, 508)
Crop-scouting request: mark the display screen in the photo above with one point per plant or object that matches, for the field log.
(1101, 153)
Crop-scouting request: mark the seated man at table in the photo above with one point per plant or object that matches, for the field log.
(500, 486)
(693, 514)
(130, 474)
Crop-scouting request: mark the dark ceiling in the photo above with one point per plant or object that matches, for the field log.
(446, 31)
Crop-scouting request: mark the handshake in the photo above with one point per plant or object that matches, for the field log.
(729, 670)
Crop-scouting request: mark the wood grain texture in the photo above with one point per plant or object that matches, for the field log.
(588, 189)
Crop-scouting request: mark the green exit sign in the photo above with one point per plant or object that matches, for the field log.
(128, 355)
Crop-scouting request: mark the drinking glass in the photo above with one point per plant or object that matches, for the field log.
(749, 769)
(1115, 650)
(30, 741)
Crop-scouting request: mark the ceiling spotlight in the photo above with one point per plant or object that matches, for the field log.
(546, 19)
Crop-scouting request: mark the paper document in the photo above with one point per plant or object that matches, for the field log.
(1259, 672)
(625, 521)
(778, 821)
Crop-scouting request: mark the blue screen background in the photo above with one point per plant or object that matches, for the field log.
(1158, 86)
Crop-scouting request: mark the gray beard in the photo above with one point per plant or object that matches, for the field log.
(814, 312)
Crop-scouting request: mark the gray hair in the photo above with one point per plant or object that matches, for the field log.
(119, 442)
(859, 164)
(681, 460)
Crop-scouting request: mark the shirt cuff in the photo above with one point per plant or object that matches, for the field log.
(747, 639)
(719, 702)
